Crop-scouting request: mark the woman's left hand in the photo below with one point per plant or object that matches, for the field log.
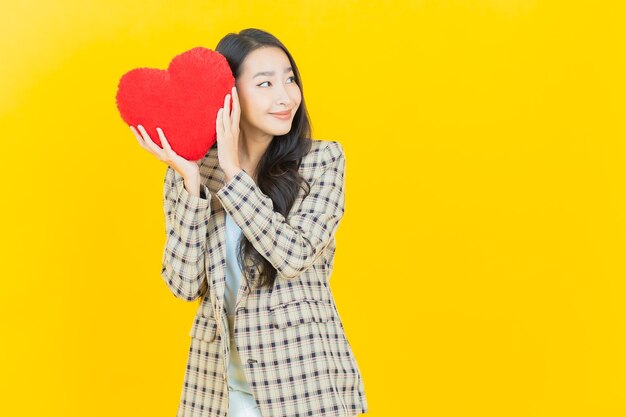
(227, 128)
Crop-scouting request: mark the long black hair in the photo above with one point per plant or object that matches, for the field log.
(277, 173)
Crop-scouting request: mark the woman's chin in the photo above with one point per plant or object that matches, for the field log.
(277, 131)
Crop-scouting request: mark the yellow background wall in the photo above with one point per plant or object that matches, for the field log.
(481, 261)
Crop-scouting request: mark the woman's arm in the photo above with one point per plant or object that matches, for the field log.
(290, 246)
(186, 225)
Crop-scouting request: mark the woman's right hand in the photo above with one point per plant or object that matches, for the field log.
(185, 168)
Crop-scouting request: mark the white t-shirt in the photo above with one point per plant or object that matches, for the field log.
(236, 377)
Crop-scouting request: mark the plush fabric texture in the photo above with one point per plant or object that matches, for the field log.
(182, 100)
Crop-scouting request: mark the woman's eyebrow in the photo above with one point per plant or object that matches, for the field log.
(271, 72)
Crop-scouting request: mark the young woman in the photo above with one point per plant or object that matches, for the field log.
(250, 233)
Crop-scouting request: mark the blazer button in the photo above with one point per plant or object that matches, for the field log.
(251, 360)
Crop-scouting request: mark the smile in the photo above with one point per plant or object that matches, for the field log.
(282, 116)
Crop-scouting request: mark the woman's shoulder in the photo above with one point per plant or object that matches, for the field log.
(322, 153)
(326, 145)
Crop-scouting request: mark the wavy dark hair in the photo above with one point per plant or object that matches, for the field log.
(277, 173)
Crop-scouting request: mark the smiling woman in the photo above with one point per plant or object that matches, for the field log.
(271, 91)
(257, 247)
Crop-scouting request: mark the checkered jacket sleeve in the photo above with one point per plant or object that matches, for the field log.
(186, 225)
(291, 245)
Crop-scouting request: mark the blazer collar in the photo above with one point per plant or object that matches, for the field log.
(212, 173)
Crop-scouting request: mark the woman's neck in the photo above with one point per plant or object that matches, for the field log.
(251, 150)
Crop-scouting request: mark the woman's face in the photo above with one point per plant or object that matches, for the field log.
(267, 85)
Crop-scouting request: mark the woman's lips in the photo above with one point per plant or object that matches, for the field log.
(282, 115)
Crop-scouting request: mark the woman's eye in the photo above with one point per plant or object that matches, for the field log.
(294, 79)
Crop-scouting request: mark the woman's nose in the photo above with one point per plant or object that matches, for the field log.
(284, 97)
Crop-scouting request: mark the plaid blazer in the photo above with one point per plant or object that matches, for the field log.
(291, 341)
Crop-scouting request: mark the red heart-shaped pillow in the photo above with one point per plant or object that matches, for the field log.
(182, 100)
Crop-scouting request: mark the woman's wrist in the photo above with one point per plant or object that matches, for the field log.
(230, 173)
(192, 184)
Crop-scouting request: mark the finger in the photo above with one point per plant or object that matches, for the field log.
(153, 147)
(167, 149)
(164, 142)
(225, 123)
(144, 134)
(227, 102)
(147, 139)
(236, 110)
(224, 119)
(219, 124)
(227, 109)
(138, 137)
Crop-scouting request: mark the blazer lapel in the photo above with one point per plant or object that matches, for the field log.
(213, 176)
